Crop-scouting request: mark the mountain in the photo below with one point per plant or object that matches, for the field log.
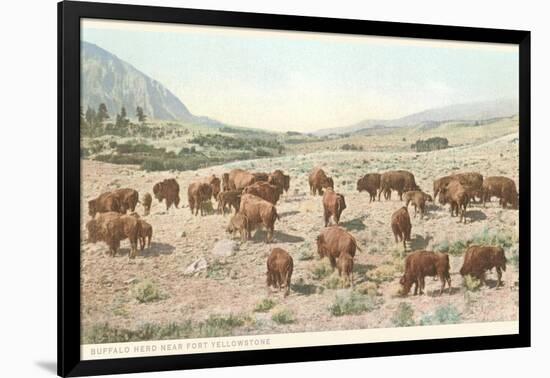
(459, 112)
(108, 79)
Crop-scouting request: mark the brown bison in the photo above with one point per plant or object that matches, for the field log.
(280, 180)
(262, 189)
(259, 212)
(345, 268)
(198, 193)
(369, 183)
(215, 185)
(279, 269)
(472, 181)
(479, 259)
(231, 198)
(169, 190)
(105, 202)
(112, 228)
(420, 264)
(225, 182)
(503, 188)
(418, 199)
(333, 204)
(239, 222)
(146, 201)
(128, 199)
(239, 179)
(401, 226)
(335, 241)
(457, 196)
(261, 176)
(145, 234)
(318, 180)
(400, 181)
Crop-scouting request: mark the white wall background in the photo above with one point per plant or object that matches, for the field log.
(28, 125)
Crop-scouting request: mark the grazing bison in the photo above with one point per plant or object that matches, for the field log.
(146, 201)
(239, 179)
(128, 199)
(259, 212)
(369, 183)
(400, 181)
(479, 259)
(112, 228)
(345, 268)
(169, 190)
(472, 181)
(197, 194)
(262, 189)
(215, 185)
(333, 205)
(418, 199)
(239, 222)
(333, 241)
(280, 180)
(104, 203)
(457, 196)
(502, 187)
(318, 180)
(279, 269)
(231, 198)
(420, 264)
(401, 226)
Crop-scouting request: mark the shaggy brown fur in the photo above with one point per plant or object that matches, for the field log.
(401, 226)
(345, 268)
(146, 201)
(400, 181)
(457, 196)
(479, 259)
(503, 188)
(215, 185)
(335, 241)
(145, 234)
(225, 182)
(239, 179)
(473, 181)
(418, 199)
(318, 180)
(112, 228)
(420, 264)
(167, 189)
(280, 180)
(261, 176)
(128, 199)
(259, 212)
(262, 189)
(279, 269)
(197, 194)
(231, 198)
(239, 222)
(104, 203)
(369, 183)
(333, 204)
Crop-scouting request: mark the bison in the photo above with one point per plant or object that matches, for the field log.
(215, 185)
(418, 199)
(146, 201)
(128, 199)
(318, 180)
(333, 241)
(369, 183)
(264, 190)
(197, 194)
(231, 198)
(345, 268)
(279, 269)
(145, 234)
(400, 181)
(239, 222)
(239, 179)
(472, 181)
(261, 176)
(259, 212)
(457, 196)
(225, 182)
(280, 180)
(502, 187)
(112, 228)
(333, 205)
(479, 259)
(420, 264)
(168, 190)
(401, 226)
(104, 203)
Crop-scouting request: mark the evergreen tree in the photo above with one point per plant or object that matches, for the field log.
(102, 113)
(140, 114)
(90, 116)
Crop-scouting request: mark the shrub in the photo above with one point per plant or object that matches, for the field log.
(471, 283)
(322, 269)
(403, 315)
(352, 303)
(282, 316)
(333, 282)
(448, 314)
(147, 291)
(265, 305)
(382, 273)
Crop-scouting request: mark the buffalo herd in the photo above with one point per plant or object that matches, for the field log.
(253, 196)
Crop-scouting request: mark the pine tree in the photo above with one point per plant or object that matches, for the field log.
(90, 116)
(140, 114)
(102, 113)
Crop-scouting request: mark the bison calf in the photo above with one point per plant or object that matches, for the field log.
(420, 264)
(279, 269)
(146, 201)
(418, 199)
(239, 222)
(479, 259)
(401, 226)
(333, 204)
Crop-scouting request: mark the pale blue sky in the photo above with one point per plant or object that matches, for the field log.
(305, 82)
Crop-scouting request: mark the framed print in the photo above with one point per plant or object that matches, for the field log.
(239, 188)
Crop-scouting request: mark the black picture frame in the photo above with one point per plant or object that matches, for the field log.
(69, 15)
